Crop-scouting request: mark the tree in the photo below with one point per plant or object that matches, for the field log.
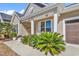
(5, 29)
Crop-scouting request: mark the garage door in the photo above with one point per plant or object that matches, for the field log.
(72, 31)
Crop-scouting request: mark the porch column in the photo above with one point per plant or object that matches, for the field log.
(18, 28)
(32, 26)
(55, 22)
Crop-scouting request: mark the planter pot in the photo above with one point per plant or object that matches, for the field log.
(14, 38)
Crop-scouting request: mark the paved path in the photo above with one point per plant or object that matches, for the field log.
(71, 51)
(23, 50)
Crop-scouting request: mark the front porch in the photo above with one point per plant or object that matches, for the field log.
(45, 24)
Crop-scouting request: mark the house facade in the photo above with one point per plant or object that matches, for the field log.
(44, 17)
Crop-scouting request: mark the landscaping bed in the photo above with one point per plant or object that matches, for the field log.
(46, 42)
(6, 51)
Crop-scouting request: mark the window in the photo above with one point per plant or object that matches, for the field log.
(42, 26)
(46, 26)
(69, 4)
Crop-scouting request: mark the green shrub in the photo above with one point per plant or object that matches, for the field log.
(48, 42)
(5, 29)
(25, 40)
(13, 34)
(34, 40)
(28, 40)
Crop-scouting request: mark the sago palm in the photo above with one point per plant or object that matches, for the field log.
(49, 43)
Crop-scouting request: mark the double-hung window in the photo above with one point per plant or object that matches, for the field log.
(46, 26)
(42, 26)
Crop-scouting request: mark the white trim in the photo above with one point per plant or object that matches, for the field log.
(52, 26)
(12, 19)
(18, 28)
(45, 25)
(64, 27)
(39, 27)
(32, 26)
(72, 18)
(55, 22)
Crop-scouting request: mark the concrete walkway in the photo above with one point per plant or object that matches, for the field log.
(71, 51)
(22, 49)
(25, 50)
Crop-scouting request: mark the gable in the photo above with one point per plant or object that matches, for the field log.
(32, 8)
(14, 20)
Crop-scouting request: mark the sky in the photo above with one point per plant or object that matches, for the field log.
(9, 8)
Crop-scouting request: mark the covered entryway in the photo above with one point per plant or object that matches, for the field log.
(27, 28)
(72, 31)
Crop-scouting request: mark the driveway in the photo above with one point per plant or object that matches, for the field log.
(23, 50)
